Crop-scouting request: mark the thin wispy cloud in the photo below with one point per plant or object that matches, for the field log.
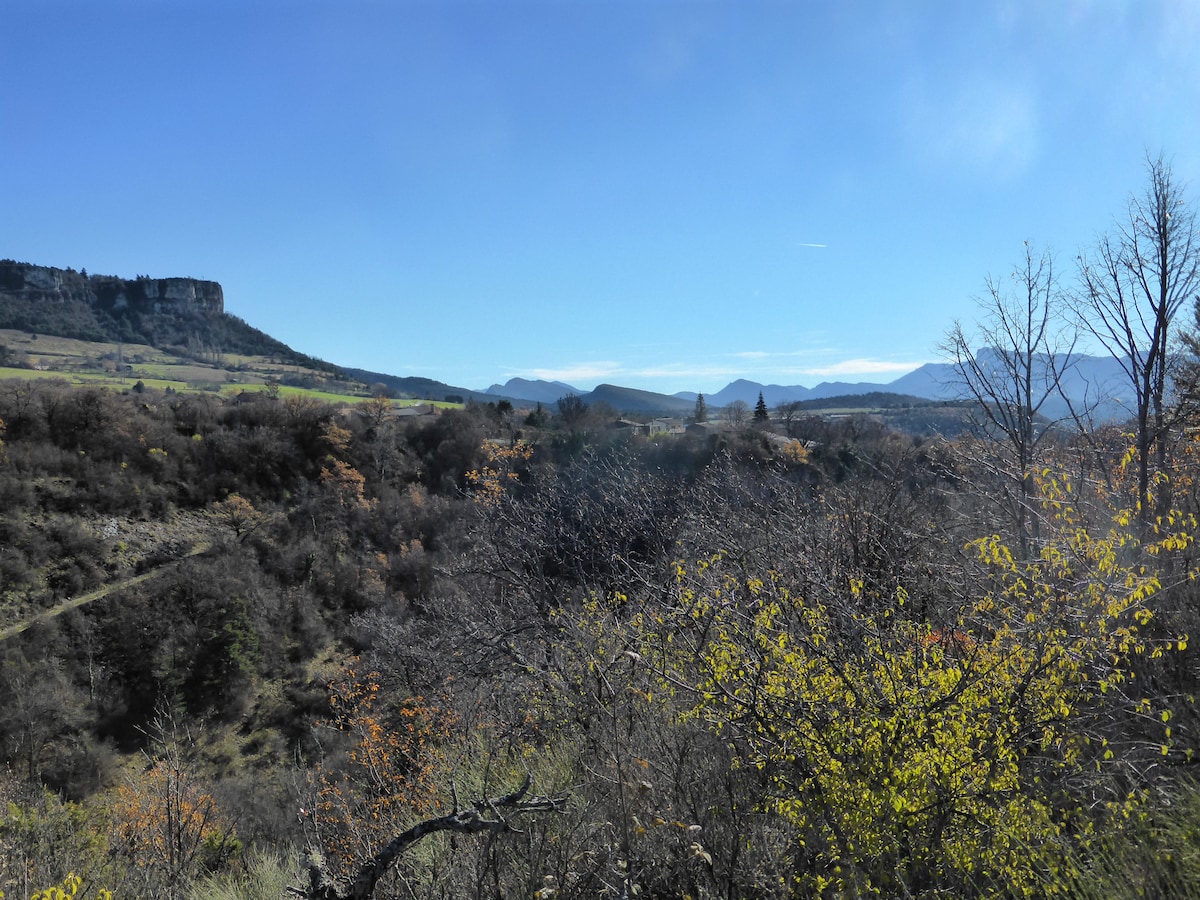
(863, 367)
(806, 244)
(585, 371)
(696, 373)
(984, 122)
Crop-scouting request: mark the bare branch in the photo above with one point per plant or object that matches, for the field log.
(1132, 286)
(1016, 375)
(486, 814)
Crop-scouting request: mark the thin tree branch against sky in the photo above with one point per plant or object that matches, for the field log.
(661, 195)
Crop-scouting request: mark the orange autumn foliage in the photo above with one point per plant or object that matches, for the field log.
(392, 769)
(164, 822)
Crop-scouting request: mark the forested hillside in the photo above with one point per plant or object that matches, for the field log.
(738, 667)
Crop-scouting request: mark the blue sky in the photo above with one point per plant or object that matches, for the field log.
(659, 194)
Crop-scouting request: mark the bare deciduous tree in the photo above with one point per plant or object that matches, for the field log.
(1133, 284)
(1023, 350)
(788, 412)
(736, 412)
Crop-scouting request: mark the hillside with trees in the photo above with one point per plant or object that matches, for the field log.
(184, 315)
(273, 644)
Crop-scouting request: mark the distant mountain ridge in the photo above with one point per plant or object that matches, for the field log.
(632, 400)
(1096, 383)
(419, 388)
(534, 391)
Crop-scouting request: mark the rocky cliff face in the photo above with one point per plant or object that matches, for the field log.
(42, 284)
(184, 315)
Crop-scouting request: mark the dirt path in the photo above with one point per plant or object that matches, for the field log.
(98, 594)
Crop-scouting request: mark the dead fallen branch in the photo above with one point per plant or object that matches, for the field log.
(486, 814)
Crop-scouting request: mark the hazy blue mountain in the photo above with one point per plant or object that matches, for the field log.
(417, 387)
(624, 399)
(532, 391)
(843, 388)
(774, 394)
(1100, 381)
(935, 381)
(1095, 383)
(747, 391)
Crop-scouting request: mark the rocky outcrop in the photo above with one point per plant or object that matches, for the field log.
(183, 315)
(24, 282)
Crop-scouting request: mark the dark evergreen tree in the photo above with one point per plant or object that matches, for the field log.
(760, 410)
(701, 413)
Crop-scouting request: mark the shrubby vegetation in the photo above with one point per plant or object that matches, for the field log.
(750, 672)
(793, 658)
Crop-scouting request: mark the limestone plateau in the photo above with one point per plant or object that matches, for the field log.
(113, 295)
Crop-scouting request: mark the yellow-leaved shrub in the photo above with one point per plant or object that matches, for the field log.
(910, 758)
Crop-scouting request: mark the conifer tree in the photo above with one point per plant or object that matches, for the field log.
(761, 415)
(701, 413)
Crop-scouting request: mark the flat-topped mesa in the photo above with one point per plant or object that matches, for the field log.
(41, 284)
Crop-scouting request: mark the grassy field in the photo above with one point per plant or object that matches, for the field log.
(68, 355)
(121, 366)
(226, 390)
(50, 345)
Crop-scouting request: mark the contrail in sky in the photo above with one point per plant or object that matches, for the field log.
(803, 244)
